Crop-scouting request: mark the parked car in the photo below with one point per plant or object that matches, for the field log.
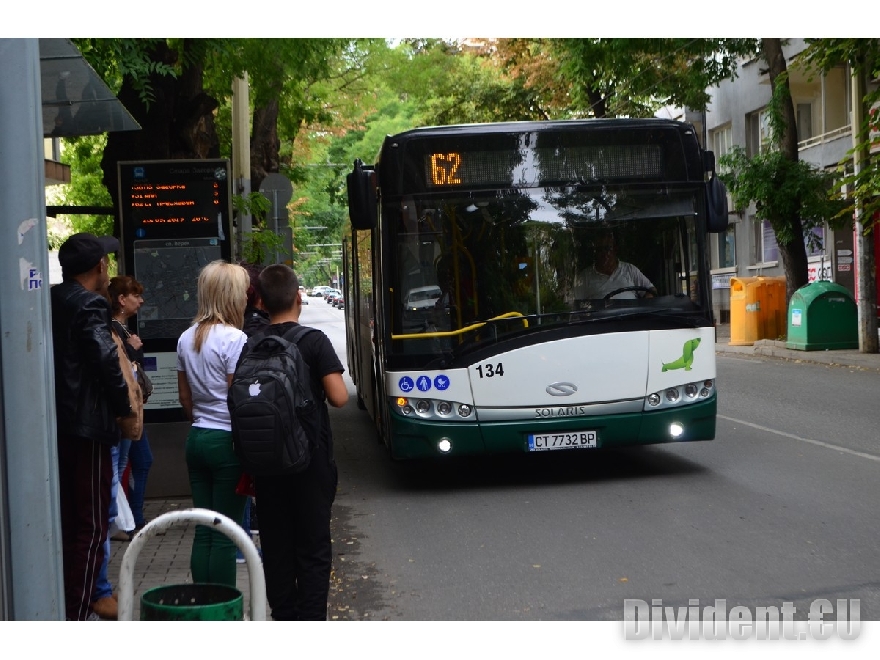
(331, 295)
(422, 297)
(319, 291)
(340, 302)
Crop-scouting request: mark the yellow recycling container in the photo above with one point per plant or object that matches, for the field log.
(757, 309)
(773, 309)
(746, 323)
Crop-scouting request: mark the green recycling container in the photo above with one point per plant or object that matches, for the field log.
(192, 602)
(822, 316)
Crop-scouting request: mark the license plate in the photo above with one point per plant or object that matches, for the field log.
(566, 440)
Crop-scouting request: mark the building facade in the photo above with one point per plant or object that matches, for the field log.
(737, 115)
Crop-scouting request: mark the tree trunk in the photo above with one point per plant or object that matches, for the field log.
(794, 254)
(598, 103)
(177, 123)
(265, 144)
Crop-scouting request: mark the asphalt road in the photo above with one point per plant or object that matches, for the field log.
(780, 507)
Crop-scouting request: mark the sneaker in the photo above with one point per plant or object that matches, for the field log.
(239, 559)
(121, 535)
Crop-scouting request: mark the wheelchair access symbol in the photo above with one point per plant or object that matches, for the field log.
(406, 384)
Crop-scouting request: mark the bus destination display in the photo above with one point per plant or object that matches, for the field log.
(541, 165)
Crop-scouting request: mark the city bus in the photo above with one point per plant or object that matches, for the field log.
(474, 325)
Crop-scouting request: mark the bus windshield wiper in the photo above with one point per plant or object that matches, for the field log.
(615, 314)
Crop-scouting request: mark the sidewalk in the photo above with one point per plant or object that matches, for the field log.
(164, 560)
(776, 349)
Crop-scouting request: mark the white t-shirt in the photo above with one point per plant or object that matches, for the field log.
(591, 284)
(207, 370)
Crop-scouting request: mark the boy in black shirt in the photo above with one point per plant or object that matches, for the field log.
(295, 509)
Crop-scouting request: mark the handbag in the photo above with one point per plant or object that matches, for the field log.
(143, 380)
(132, 427)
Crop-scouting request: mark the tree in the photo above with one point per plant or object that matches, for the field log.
(175, 87)
(621, 77)
(160, 82)
(83, 155)
(863, 58)
(863, 178)
(790, 194)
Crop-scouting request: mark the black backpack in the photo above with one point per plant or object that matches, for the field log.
(270, 394)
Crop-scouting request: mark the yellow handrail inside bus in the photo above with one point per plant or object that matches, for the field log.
(460, 331)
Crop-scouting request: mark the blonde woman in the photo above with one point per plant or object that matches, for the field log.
(207, 353)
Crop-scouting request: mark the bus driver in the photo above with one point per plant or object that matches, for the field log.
(608, 274)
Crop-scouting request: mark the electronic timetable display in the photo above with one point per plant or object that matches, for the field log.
(175, 219)
(175, 199)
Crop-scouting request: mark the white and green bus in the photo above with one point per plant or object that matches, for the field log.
(483, 313)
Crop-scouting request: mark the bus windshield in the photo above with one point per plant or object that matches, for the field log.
(473, 267)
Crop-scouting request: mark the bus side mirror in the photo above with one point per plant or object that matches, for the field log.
(709, 161)
(361, 184)
(716, 201)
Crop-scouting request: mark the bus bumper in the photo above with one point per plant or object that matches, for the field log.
(422, 439)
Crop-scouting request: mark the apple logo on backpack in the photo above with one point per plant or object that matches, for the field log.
(254, 389)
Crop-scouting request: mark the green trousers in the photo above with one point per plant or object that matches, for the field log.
(214, 472)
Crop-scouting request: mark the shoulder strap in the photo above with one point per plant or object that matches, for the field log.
(121, 326)
(295, 334)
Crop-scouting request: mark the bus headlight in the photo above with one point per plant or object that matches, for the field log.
(680, 395)
(433, 409)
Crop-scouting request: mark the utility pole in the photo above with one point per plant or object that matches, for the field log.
(241, 159)
(31, 577)
(866, 285)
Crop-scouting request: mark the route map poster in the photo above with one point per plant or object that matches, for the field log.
(175, 218)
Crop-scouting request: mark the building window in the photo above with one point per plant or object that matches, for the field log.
(804, 121)
(757, 133)
(727, 247)
(815, 242)
(766, 248)
(722, 142)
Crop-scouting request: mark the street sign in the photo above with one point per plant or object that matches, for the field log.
(279, 191)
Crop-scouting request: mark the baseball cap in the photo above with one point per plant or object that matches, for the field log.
(82, 252)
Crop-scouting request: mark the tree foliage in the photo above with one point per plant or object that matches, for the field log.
(792, 195)
(863, 57)
(620, 77)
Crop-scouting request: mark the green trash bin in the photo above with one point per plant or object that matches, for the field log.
(192, 602)
(822, 316)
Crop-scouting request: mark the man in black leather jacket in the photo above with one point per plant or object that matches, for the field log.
(90, 393)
